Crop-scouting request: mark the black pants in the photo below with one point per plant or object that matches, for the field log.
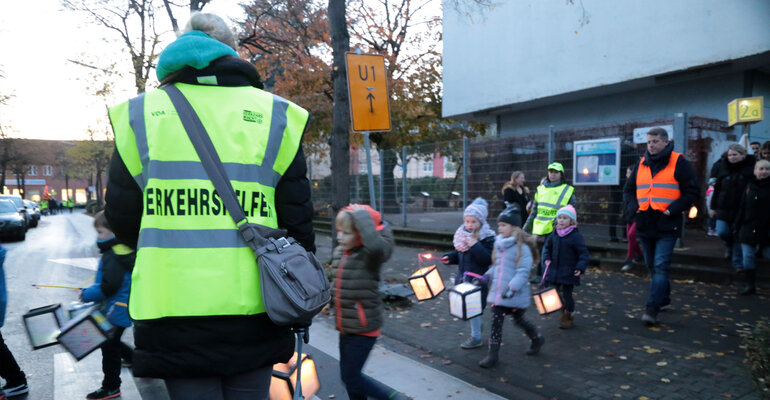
(112, 351)
(354, 350)
(498, 316)
(9, 368)
(566, 296)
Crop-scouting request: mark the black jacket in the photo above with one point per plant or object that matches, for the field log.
(653, 223)
(566, 254)
(731, 182)
(752, 218)
(511, 196)
(222, 345)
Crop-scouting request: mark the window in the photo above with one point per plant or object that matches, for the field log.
(47, 170)
(427, 166)
(362, 168)
(32, 171)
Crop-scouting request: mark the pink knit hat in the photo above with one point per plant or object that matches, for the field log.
(569, 211)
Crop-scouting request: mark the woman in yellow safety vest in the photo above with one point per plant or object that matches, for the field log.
(552, 194)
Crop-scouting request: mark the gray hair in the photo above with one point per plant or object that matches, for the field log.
(211, 25)
(738, 148)
(660, 132)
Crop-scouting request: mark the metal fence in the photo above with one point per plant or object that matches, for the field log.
(441, 178)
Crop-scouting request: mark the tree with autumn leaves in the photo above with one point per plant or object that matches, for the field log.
(290, 43)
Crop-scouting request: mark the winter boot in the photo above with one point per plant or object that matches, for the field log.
(537, 343)
(751, 279)
(566, 321)
(491, 359)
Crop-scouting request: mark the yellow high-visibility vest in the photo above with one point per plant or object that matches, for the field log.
(549, 201)
(190, 259)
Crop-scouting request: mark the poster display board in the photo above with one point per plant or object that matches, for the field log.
(596, 162)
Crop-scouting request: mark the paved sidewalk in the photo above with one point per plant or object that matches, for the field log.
(693, 354)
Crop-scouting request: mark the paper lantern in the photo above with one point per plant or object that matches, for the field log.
(43, 325)
(465, 301)
(693, 212)
(547, 300)
(426, 283)
(85, 333)
(284, 379)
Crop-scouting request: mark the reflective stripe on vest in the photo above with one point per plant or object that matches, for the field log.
(549, 200)
(659, 191)
(190, 259)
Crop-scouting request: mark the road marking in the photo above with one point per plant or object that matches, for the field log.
(90, 263)
(74, 380)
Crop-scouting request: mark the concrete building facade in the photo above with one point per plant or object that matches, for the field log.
(526, 65)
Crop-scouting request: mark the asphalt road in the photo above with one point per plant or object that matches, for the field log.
(60, 251)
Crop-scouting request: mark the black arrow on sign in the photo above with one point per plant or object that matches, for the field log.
(371, 105)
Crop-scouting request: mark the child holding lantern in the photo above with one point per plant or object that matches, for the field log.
(473, 242)
(514, 254)
(365, 243)
(566, 258)
(111, 287)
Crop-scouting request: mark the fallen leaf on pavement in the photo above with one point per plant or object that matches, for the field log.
(661, 363)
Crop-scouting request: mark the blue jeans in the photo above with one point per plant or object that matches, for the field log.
(749, 253)
(657, 256)
(475, 327)
(354, 350)
(725, 232)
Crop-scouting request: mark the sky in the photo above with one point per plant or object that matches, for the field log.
(51, 99)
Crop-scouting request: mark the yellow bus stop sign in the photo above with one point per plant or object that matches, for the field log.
(747, 110)
(368, 92)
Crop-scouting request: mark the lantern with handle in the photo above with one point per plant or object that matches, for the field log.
(465, 300)
(43, 325)
(426, 282)
(284, 380)
(547, 300)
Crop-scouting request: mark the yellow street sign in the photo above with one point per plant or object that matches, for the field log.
(747, 110)
(368, 91)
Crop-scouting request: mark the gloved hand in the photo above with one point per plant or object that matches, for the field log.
(508, 294)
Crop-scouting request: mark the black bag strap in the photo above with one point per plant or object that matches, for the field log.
(214, 168)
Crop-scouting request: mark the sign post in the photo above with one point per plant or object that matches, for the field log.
(369, 104)
(745, 111)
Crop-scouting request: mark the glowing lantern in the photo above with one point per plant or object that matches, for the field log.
(465, 301)
(547, 300)
(693, 212)
(284, 380)
(426, 283)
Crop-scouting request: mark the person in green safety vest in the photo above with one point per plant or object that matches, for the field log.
(552, 194)
(70, 205)
(196, 303)
(44, 207)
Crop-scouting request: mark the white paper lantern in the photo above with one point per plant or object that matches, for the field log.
(465, 301)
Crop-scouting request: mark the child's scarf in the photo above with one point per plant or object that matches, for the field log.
(565, 231)
(461, 234)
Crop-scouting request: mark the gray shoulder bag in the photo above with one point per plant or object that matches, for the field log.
(294, 285)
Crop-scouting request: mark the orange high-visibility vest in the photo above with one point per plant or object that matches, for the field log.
(660, 191)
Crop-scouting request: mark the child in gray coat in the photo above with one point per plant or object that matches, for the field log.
(513, 257)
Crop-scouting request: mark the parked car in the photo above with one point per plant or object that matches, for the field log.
(34, 212)
(19, 203)
(12, 223)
